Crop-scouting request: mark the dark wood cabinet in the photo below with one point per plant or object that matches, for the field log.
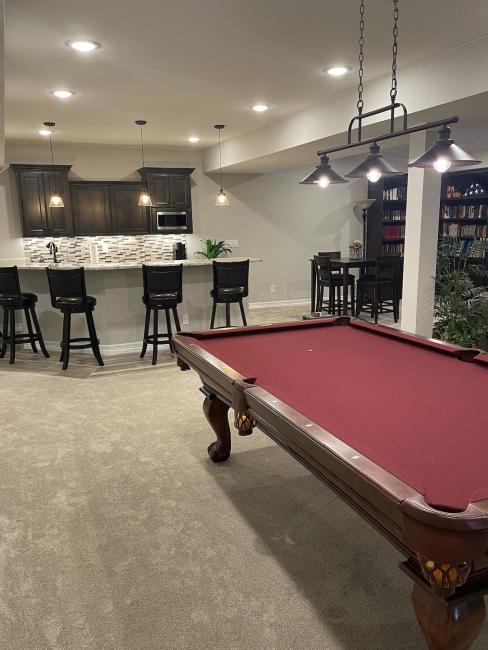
(168, 187)
(98, 207)
(128, 218)
(36, 184)
(91, 208)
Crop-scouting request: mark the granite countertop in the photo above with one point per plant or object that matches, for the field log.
(115, 266)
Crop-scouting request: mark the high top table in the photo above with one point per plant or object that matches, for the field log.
(342, 264)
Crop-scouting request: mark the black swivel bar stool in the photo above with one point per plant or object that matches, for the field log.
(230, 285)
(163, 289)
(12, 300)
(68, 294)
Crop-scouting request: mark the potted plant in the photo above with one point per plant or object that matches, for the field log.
(460, 313)
(356, 249)
(214, 248)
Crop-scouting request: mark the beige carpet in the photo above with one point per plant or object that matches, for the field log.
(117, 532)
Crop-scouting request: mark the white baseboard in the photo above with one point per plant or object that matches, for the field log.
(280, 303)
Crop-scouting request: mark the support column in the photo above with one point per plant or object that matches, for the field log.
(421, 234)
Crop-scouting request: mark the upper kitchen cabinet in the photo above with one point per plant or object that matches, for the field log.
(91, 208)
(36, 184)
(168, 187)
(128, 217)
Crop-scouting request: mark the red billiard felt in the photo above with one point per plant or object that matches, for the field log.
(419, 412)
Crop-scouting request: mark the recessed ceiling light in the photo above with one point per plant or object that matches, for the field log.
(63, 94)
(260, 108)
(193, 139)
(45, 132)
(338, 70)
(81, 45)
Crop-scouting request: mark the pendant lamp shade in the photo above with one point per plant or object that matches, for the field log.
(144, 197)
(444, 154)
(374, 167)
(55, 200)
(221, 199)
(323, 175)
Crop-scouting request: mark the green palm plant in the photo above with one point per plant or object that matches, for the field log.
(214, 248)
(459, 310)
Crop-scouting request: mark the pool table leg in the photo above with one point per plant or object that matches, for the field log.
(445, 625)
(216, 413)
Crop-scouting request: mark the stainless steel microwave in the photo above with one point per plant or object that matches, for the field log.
(172, 221)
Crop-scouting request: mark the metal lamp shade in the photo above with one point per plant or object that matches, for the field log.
(324, 169)
(447, 149)
(374, 161)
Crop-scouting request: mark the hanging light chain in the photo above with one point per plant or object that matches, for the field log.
(360, 103)
(51, 145)
(394, 82)
(142, 145)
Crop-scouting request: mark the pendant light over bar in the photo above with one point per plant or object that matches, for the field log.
(222, 198)
(445, 154)
(144, 198)
(55, 200)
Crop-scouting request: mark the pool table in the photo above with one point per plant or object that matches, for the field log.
(394, 423)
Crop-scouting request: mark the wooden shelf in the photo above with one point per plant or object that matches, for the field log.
(466, 200)
(393, 240)
(466, 220)
(393, 222)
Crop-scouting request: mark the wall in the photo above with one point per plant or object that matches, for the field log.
(271, 215)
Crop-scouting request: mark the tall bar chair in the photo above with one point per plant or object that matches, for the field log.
(68, 294)
(12, 300)
(163, 290)
(386, 278)
(230, 285)
(328, 278)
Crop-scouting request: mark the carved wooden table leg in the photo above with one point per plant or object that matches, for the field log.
(216, 413)
(447, 624)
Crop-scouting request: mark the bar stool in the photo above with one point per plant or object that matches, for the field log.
(386, 277)
(12, 300)
(333, 280)
(68, 294)
(230, 285)
(163, 289)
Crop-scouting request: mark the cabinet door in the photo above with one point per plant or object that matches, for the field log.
(159, 190)
(128, 217)
(180, 191)
(60, 221)
(91, 208)
(32, 203)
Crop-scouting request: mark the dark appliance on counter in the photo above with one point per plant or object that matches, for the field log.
(171, 221)
(179, 251)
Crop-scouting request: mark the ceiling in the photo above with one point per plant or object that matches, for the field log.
(187, 64)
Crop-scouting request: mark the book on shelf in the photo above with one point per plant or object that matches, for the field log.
(479, 211)
(452, 192)
(393, 249)
(461, 230)
(395, 194)
(394, 215)
(393, 232)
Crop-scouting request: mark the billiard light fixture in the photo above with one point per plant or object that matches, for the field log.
(144, 197)
(55, 200)
(222, 199)
(323, 175)
(445, 154)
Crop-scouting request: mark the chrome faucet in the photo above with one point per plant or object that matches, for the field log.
(53, 249)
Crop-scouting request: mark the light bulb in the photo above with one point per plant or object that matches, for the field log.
(323, 181)
(373, 175)
(222, 198)
(56, 201)
(144, 199)
(441, 164)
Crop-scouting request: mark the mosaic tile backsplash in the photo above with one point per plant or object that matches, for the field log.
(134, 248)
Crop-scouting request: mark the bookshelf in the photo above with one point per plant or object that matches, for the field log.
(463, 211)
